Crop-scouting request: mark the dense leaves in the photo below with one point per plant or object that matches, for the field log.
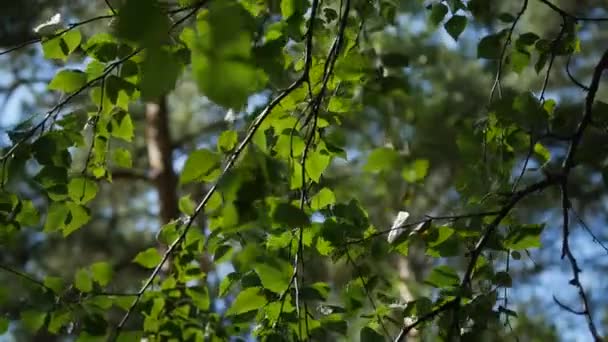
(332, 118)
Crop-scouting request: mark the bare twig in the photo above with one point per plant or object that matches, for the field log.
(367, 291)
(525, 166)
(26, 277)
(588, 230)
(427, 317)
(504, 51)
(554, 45)
(572, 78)
(575, 281)
(55, 110)
(110, 7)
(58, 34)
(563, 13)
(428, 217)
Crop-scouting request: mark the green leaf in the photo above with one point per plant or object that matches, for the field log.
(94, 69)
(227, 283)
(82, 190)
(247, 300)
(368, 334)
(102, 46)
(28, 215)
(225, 82)
(520, 60)
(276, 242)
(4, 324)
(506, 17)
(456, 25)
(316, 163)
(62, 46)
(325, 197)
(227, 141)
(416, 171)
(381, 159)
(273, 278)
(56, 216)
(438, 12)
(119, 91)
(439, 235)
(343, 105)
(148, 258)
(102, 272)
(542, 152)
(77, 217)
(490, 47)
(68, 80)
(54, 283)
(59, 319)
(201, 166)
(290, 8)
(443, 277)
(187, 205)
(52, 149)
(142, 21)
(526, 39)
(160, 71)
(503, 279)
(524, 237)
(83, 281)
(33, 320)
(290, 216)
(122, 127)
(222, 60)
(122, 158)
(199, 296)
(51, 176)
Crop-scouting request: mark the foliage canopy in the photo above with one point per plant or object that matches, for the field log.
(284, 212)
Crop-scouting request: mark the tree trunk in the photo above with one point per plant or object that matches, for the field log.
(160, 156)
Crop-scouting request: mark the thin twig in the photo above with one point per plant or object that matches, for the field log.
(427, 317)
(563, 13)
(26, 277)
(575, 281)
(572, 78)
(554, 45)
(303, 78)
(368, 293)
(414, 224)
(525, 166)
(55, 110)
(504, 51)
(58, 34)
(110, 7)
(588, 229)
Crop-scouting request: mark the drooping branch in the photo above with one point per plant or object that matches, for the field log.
(564, 13)
(503, 52)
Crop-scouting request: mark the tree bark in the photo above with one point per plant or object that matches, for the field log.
(160, 156)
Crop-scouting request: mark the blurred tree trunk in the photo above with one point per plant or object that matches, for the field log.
(160, 159)
(160, 156)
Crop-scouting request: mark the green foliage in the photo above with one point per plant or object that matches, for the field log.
(202, 165)
(68, 81)
(62, 46)
(281, 226)
(148, 258)
(456, 25)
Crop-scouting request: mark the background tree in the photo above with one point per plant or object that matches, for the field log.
(275, 142)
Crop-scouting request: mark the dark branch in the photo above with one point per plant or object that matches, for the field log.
(563, 13)
(504, 50)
